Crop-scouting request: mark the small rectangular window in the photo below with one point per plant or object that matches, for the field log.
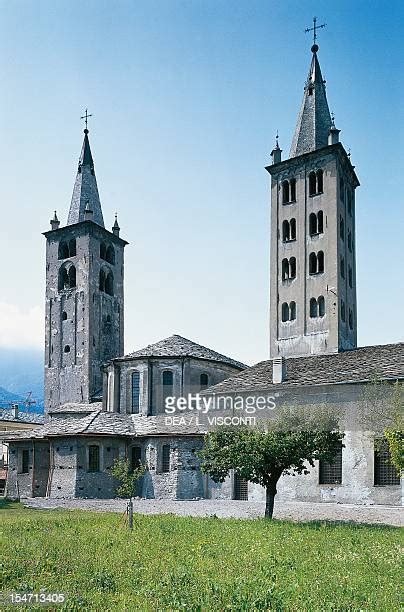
(25, 461)
(385, 473)
(93, 458)
(136, 457)
(240, 488)
(331, 473)
(165, 460)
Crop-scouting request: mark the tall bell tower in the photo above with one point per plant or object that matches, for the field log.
(84, 316)
(313, 263)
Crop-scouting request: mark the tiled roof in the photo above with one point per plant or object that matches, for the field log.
(357, 365)
(23, 417)
(76, 408)
(314, 120)
(85, 189)
(177, 346)
(104, 423)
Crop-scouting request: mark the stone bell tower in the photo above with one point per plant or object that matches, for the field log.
(84, 294)
(313, 262)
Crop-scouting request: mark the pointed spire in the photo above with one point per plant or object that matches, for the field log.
(55, 223)
(314, 120)
(115, 228)
(85, 189)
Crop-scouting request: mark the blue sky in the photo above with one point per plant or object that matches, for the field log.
(186, 98)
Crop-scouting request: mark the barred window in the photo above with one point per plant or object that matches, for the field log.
(135, 392)
(384, 473)
(331, 473)
(165, 460)
(240, 488)
(93, 458)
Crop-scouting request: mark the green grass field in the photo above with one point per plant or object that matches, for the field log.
(175, 563)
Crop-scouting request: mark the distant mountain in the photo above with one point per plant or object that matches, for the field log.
(6, 396)
(21, 371)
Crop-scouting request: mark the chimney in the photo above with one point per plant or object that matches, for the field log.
(14, 411)
(278, 370)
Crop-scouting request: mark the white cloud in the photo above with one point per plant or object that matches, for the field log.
(21, 328)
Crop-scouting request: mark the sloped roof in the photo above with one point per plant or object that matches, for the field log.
(178, 346)
(73, 408)
(105, 424)
(85, 190)
(314, 120)
(22, 417)
(357, 365)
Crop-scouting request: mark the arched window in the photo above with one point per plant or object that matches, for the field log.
(313, 308)
(286, 231)
(321, 306)
(292, 267)
(72, 277)
(349, 197)
(285, 192)
(292, 190)
(285, 312)
(312, 183)
(313, 224)
(204, 381)
(102, 280)
(168, 384)
(67, 277)
(313, 263)
(349, 240)
(135, 392)
(292, 311)
(63, 251)
(341, 228)
(341, 189)
(320, 262)
(320, 222)
(110, 255)
(293, 229)
(63, 279)
(109, 283)
(103, 250)
(350, 276)
(64, 316)
(342, 307)
(350, 319)
(342, 267)
(285, 269)
(319, 181)
(72, 247)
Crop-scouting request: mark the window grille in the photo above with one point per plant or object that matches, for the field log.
(165, 461)
(240, 488)
(331, 473)
(135, 392)
(384, 473)
(93, 458)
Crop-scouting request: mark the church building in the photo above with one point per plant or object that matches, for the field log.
(102, 404)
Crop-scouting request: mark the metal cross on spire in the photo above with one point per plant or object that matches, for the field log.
(315, 28)
(85, 117)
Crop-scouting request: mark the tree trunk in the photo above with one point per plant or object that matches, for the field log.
(270, 498)
(130, 514)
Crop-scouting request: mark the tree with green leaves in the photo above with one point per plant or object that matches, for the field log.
(127, 479)
(383, 413)
(290, 443)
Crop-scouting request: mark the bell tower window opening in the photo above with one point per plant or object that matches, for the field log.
(285, 192)
(67, 277)
(292, 186)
